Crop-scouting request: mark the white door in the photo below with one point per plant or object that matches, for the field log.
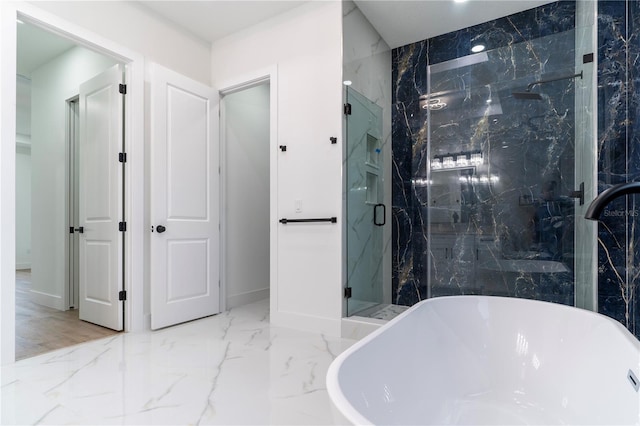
(100, 199)
(184, 199)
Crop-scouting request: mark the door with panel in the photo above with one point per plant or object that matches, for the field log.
(184, 199)
(101, 199)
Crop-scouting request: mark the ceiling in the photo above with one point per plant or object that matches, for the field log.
(399, 22)
(214, 19)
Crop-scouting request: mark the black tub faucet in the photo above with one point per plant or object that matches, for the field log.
(600, 202)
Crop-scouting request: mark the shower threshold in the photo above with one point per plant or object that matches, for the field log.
(382, 311)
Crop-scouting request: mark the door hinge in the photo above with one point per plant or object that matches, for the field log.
(122, 295)
(347, 109)
(347, 292)
(122, 226)
(71, 229)
(122, 89)
(122, 157)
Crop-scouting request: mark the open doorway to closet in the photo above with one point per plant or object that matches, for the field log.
(246, 139)
(51, 71)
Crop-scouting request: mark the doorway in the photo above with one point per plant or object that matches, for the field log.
(245, 138)
(133, 133)
(47, 296)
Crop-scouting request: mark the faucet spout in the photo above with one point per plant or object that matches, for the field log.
(599, 203)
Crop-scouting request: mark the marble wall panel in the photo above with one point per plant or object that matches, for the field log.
(618, 159)
(525, 144)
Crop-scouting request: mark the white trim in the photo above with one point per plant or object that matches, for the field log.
(50, 300)
(68, 168)
(246, 298)
(134, 136)
(270, 75)
(8, 40)
(23, 140)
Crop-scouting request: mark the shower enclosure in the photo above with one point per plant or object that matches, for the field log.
(493, 155)
(500, 167)
(365, 209)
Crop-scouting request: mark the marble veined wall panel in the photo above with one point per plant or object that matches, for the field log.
(526, 145)
(618, 159)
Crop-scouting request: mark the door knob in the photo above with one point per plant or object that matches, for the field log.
(160, 229)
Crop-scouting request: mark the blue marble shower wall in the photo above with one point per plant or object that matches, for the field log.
(505, 224)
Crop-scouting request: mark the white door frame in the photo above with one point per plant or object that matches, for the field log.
(72, 250)
(268, 75)
(134, 140)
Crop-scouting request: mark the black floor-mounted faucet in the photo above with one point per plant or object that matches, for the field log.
(599, 203)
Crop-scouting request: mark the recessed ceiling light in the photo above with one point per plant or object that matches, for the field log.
(459, 1)
(347, 82)
(478, 48)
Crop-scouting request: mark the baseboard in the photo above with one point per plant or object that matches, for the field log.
(49, 300)
(23, 266)
(358, 327)
(246, 298)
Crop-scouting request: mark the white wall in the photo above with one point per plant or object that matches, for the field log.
(305, 45)
(136, 27)
(367, 64)
(51, 85)
(23, 173)
(23, 108)
(23, 207)
(246, 204)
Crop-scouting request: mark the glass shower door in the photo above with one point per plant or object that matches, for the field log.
(502, 170)
(365, 210)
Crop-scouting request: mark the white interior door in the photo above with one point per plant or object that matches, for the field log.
(184, 199)
(100, 199)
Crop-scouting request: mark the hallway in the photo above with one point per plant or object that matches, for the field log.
(231, 368)
(40, 329)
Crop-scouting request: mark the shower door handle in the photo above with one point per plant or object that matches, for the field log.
(375, 215)
(578, 194)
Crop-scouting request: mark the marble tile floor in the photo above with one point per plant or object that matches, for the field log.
(232, 368)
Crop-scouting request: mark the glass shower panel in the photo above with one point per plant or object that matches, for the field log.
(364, 203)
(501, 171)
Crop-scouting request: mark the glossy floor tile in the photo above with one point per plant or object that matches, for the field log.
(232, 368)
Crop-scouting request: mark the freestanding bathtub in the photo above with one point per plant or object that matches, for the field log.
(480, 360)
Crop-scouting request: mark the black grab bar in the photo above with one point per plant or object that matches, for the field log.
(323, 219)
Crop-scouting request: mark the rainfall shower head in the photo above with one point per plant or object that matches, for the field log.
(528, 94)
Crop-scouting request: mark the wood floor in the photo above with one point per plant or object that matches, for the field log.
(40, 329)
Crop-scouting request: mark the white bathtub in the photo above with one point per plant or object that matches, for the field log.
(480, 360)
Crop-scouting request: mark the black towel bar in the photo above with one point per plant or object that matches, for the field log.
(323, 219)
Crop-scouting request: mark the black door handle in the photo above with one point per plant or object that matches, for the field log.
(80, 230)
(160, 229)
(375, 215)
